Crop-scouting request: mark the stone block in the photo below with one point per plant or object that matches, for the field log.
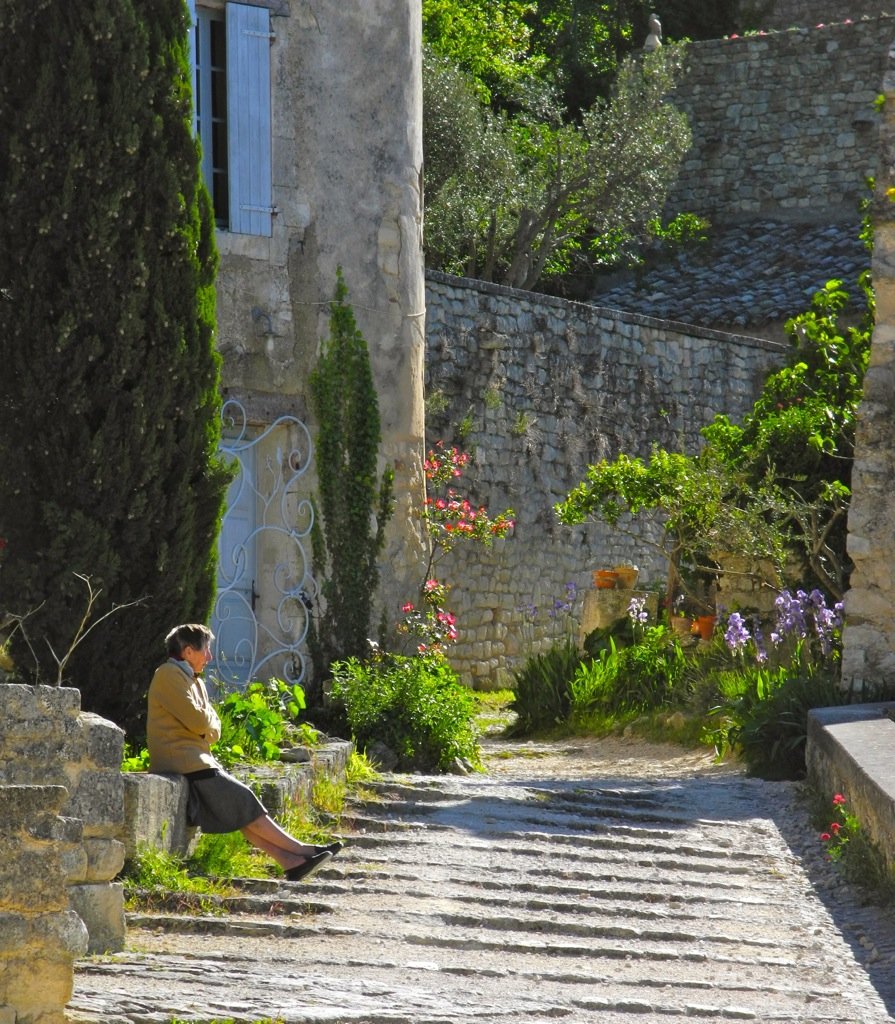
(60, 934)
(104, 859)
(31, 879)
(155, 813)
(31, 804)
(37, 987)
(98, 800)
(103, 741)
(101, 907)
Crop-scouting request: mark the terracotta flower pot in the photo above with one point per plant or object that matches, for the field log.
(627, 576)
(605, 579)
(704, 625)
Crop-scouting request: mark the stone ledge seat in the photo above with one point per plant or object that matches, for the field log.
(851, 750)
(155, 804)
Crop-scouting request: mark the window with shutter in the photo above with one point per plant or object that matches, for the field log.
(231, 85)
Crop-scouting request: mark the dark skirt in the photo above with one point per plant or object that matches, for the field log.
(219, 803)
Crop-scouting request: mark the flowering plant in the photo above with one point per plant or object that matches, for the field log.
(843, 828)
(432, 625)
(561, 614)
(637, 612)
(448, 518)
(803, 616)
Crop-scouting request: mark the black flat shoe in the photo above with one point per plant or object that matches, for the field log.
(334, 848)
(308, 866)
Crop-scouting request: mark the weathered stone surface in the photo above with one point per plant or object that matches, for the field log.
(869, 641)
(584, 881)
(31, 879)
(851, 750)
(98, 800)
(31, 804)
(101, 907)
(104, 859)
(155, 813)
(103, 741)
(598, 382)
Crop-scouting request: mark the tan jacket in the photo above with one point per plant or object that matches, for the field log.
(181, 725)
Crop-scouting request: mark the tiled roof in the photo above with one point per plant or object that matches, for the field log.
(745, 275)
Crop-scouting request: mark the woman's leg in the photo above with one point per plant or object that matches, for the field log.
(265, 834)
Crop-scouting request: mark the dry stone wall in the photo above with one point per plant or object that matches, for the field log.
(537, 388)
(784, 124)
(61, 817)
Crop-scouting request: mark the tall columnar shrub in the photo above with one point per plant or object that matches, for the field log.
(109, 388)
(355, 503)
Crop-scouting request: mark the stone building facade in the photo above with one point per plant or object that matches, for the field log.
(784, 125)
(784, 14)
(868, 659)
(324, 169)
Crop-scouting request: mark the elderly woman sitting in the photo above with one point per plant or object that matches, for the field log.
(181, 727)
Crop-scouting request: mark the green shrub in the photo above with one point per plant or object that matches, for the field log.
(257, 721)
(416, 706)
(542, 688)
(764, 717)
(645, 676)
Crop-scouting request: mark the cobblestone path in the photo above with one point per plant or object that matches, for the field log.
(576, 883)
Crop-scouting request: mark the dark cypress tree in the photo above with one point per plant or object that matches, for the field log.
(354, 508)
(109, 380)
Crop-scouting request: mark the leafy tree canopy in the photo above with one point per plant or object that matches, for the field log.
(573, 47)
(512, 198)
(779, 482)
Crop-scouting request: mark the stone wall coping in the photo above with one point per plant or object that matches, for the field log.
(794, 33)
(590, 310)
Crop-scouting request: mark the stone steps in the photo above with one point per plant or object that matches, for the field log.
(461, 900)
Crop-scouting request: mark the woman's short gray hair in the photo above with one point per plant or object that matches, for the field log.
(191, 634)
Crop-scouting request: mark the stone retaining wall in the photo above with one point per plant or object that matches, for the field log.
(784, 124)
(61, 813)
(537, 388)
(851, 750)
(155, 805)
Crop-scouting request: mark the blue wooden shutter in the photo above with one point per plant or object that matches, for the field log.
(191, 7)
(248, 118)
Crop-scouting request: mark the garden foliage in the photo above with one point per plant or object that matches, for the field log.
(109, 393)
(258, 722)
(415, 705)
(777, 484)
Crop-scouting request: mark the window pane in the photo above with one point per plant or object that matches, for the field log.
(218, 45)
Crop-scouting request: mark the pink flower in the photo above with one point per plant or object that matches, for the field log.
(838, 799)
(834, 828)
(407, 607)
(825, 836)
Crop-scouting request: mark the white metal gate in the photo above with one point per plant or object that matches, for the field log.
(265, 586)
